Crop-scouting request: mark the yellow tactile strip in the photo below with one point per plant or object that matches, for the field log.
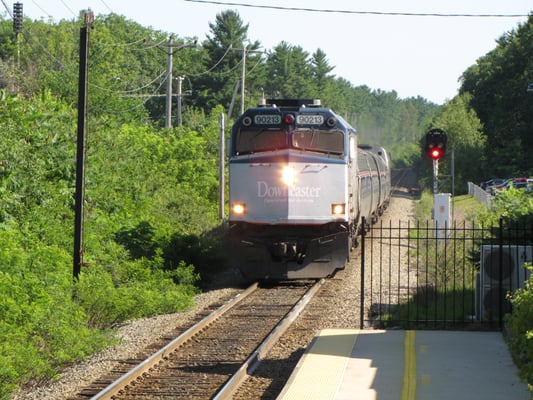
(320, 370)
(409, 374)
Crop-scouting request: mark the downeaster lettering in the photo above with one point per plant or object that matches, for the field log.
(265, 190)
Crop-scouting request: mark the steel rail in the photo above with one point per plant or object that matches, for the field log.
(126, 379)
(248, 367)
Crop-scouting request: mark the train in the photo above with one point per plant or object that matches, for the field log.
(301, 190)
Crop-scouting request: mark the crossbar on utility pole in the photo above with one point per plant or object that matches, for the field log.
(170, 46)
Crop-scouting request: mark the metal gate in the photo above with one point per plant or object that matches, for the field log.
(419, 275)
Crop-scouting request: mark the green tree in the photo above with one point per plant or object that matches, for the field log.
(497, 84)
(223, 57)
(289, 73)
(320, 70)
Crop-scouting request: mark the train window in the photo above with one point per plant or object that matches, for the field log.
(325, 141)
(255, 141)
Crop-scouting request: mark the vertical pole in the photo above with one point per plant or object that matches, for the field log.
(18, 51)
(362, 295)
(16, 80)
(501, 293)
(452, 168)
(168, 114)
(243, 78)
(80, 148)
(221, 168)
(180, 80)
(435, 176)
(435, 191)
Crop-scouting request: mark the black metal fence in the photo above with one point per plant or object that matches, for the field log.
(419, 275)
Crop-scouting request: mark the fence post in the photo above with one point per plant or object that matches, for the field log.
(362, 305)
(500, 276)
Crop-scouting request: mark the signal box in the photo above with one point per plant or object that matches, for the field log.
(435, 144)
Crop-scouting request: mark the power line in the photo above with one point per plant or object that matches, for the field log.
(109, 44)
(389, 13)
(40, 8)
(105, 4)
(123, 92)
(7, 9)
(68, 8)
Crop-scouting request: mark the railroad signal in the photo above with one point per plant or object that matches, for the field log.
(435, 153)
(435, 144)
(17, 17)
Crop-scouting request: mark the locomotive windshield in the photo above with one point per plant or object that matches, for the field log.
(323, 141)
(255, 141)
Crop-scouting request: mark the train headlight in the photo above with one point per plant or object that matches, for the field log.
(337, 209)
(287, 175)
(239, 208)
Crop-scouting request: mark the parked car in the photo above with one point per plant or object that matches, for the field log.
(491, 182)
(495, 184)
(516, 183)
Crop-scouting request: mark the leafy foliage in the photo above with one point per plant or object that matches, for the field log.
(134, 177)
(520, 322)
(497, 84)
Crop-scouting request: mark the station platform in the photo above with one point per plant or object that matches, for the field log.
(342, 364)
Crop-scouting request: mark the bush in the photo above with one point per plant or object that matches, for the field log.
(140, 183)
(131, 291)
(520, 324)
(41, 328)
(202, 251)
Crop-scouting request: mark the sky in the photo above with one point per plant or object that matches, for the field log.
(377, 43)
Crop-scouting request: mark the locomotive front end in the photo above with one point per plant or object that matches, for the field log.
(289, 198)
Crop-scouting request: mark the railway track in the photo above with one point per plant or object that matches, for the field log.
(212, 358)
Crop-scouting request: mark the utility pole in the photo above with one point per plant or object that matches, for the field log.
(168, 116)
(80, 148)
(180, 80)
(170, 46)
(245, 51)
(243, 77)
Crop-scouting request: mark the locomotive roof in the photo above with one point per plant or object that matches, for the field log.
(291, 104)
(294, 105)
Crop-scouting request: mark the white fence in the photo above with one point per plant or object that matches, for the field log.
(481, 195)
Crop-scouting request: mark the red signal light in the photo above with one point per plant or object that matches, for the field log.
(289, 119)
(435, 144)
(435, 153)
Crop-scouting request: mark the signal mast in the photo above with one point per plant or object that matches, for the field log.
(435, 149)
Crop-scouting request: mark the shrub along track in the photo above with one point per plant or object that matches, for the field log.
(202, 359)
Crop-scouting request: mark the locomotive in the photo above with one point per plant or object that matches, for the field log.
(299, 187)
